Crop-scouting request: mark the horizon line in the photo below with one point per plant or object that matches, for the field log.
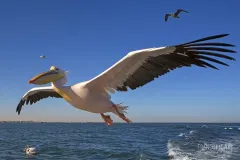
(30, 121)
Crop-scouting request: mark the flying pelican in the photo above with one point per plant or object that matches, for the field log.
(134, 70)
(43, 57)
(174, 15)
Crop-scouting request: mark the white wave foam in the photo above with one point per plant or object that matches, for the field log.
(210, 151)
(175, 153)
(143, 157)
(181, 134)
(230, 128)
(187, 133)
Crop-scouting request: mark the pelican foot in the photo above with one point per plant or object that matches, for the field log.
(121, 115)
(107, 119)
(125, 118)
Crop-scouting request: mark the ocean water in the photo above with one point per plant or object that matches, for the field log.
(96, 141)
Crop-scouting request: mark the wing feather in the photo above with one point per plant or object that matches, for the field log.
(140, 67)
(36, 94)
(180, 10)
(166, 17)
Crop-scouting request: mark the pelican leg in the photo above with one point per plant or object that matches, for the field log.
(121, 115)
(107, 119)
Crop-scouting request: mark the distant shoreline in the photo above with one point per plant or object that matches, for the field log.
(125, 123)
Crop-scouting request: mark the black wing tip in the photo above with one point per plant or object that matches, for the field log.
(18, 110)
(206, 38)
(212, 67)
(231, 45)
(220, 35)
(224, 34)
(19, 107)
(216, 36)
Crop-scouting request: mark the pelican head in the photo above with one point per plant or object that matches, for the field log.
(26, 148)
(53, 75)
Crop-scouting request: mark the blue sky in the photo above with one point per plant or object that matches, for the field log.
(87, 37)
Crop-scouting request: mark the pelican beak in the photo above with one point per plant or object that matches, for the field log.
(46, 77)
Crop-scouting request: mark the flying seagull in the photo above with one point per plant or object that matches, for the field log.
(43, 57)
(134, 70)
(174, 15)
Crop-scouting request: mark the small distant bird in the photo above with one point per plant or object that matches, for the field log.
(174, 15)
(30, 150)
(43, 57)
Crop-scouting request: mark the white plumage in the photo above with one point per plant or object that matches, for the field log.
(30, 150)
(43, 57)
(134, 70)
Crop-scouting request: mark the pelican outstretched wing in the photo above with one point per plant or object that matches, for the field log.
(36, 94)
(140, 67)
